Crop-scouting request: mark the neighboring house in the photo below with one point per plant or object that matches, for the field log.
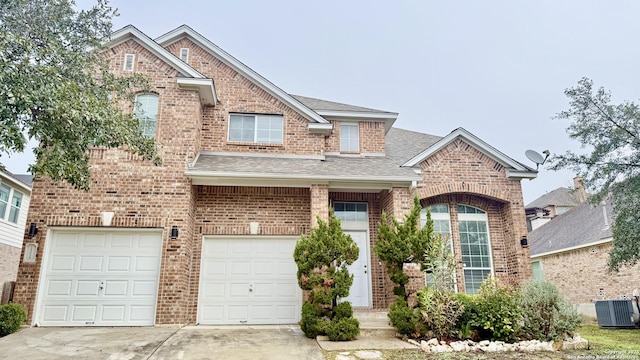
(546, 207)
(208, 236)
(572, 251)
(15, 191)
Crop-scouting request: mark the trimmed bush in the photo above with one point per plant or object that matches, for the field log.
(406, 320)
(322, 260)
(343, 329)
(11, 318)
(547, 316)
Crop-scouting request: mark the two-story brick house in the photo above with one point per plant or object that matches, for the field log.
(208, 236)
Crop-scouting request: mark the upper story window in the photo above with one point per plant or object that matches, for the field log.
(349, 137)
(10, 203)
(266, 129)
(184, 54)
(146, 111)
(128, 62)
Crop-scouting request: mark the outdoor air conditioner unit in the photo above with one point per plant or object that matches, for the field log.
(614, 313)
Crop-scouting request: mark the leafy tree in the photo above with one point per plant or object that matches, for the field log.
(611, 165)
(322, 259)
(55, 87)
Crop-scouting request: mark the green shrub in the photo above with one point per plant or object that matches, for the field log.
(312, 321)
(440, 311)
(496, 311)
(464, 328)
(11, 318)
(547, 316)
(343, 329)
(322, 259)
(406, 320)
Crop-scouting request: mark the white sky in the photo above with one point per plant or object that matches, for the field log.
(495, 68)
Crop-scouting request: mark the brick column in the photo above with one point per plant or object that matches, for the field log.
(402, 202)
(319, 203)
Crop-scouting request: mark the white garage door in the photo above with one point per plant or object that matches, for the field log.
(100, 278)
(246, 280)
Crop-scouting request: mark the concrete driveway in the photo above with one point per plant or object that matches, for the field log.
(191, 342)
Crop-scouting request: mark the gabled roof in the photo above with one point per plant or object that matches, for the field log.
(581, 226)
(515, 169)
(558, 197)
(190, 78)
(23, 181)
(185, 31)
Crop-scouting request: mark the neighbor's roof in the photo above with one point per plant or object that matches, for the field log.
(558, 197)
(23, 181)
(582, 225)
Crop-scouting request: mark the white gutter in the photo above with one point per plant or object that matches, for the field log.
(599, 242)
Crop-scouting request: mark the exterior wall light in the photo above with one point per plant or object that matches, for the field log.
(523, 242)
(33, 230)
(174, 232)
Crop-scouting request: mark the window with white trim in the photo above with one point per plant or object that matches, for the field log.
(442, 226)
(536, 267)
(347, 211)
(475, 247)
(349, 137)
(146, 111)
(10, 203)
(129, 60)
(184, 54)
(256, 128)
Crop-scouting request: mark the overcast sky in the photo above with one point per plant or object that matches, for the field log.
(495, 68)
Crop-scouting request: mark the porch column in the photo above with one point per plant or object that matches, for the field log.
(319, 203)
(402, 202)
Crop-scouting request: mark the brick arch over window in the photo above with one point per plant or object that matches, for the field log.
(496, 193)
(505, 248)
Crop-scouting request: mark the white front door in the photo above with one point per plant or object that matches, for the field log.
(100, 278)
(359, 293)
(248, 280)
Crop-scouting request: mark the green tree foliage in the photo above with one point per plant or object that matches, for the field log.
(322, 259)
(55, 87)
(399, 243)
(611, 164)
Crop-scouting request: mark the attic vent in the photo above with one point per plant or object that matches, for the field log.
(497, 166)
(184, 54)
(128, 62)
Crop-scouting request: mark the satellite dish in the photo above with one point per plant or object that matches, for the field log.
(536, 157)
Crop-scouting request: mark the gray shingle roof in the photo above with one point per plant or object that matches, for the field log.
(558, 197)
(319, 105)
(584, 224)
(401, 146)
(26, 179)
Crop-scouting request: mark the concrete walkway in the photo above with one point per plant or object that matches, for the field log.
(156, 343)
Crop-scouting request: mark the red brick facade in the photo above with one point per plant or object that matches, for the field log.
(146, 196)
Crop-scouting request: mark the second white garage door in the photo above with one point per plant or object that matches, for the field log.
(248, 280)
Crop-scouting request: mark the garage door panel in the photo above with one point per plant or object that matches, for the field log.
(248, 281)
(102, 280)
(62, 263)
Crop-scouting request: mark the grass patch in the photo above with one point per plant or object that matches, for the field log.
(605, 339)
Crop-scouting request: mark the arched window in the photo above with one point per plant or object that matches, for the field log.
(475, 246)
(146, 110)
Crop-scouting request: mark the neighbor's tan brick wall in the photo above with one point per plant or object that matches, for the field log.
(580, 274)
(9, 259)
(140, 194)
(461, 174)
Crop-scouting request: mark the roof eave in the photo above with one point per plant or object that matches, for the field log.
(205, 88)
(389, 118)
(518, 174)
(15, 182)
(324, 129)
(200, 177)
(229, 60)
(594, 243)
